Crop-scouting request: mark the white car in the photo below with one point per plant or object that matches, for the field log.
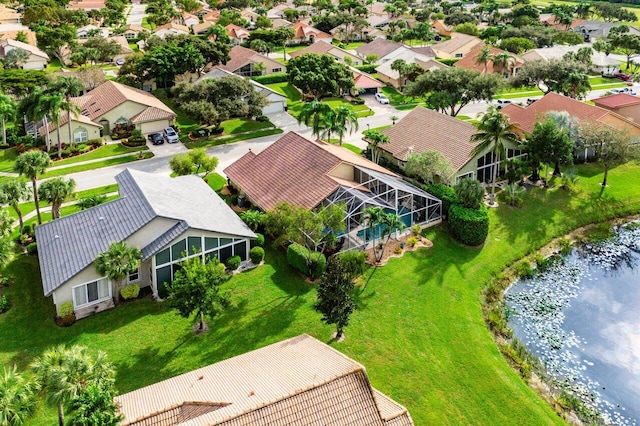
(627, 90)
(499, 103)
(382, 98)
(170, 135)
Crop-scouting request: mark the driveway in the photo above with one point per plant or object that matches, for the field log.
(136, 15)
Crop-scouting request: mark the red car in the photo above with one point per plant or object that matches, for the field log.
(622, 76)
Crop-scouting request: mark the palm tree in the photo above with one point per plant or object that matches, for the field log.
(570, 126)
(504, 61)
(7, 112)
(53, 105)
(117, 262)
(69, 87)
(17, 398)
(392, 223)
(372, 219)
(312, 114)
(13, 192)
(56, 191)
(284, 35)
(33, 107)
(484, 57)
(494, 131)
(347, 120)
(64, 373)
(31, 164)
(375, 139)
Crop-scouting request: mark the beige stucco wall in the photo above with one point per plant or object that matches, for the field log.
(341, 55)
(35, 63)
(388, 80)
(621, 124)
(93, 132)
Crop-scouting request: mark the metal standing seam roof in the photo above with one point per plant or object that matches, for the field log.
(299, 381)
(66, 246)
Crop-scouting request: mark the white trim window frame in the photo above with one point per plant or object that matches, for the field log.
(80, 135)
(469, 175)
(133, 277)
(101, 293)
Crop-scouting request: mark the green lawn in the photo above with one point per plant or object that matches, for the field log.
(243, 125)
(183, 121)
(216, 182)
(352, 148)
(103, 152)
(418, 329)
(98, 164)
(7, 159)
(223, 140)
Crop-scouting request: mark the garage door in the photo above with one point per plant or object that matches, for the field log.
(273, 108)
(153, 126)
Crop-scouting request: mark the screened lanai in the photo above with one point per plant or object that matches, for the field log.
(392, 194)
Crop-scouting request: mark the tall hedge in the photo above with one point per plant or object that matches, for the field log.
(297, 257)
(445, 193)
(278, 77)
(469, 226)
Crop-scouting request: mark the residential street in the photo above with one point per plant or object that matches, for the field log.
(137, 13)
(227, 154)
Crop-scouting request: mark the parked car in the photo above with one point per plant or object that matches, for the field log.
(531, 100)
(622, 76)
(382, 98)
(627, 90)
(155, 138)
(170, 135)
(499, 103)
(119, 62)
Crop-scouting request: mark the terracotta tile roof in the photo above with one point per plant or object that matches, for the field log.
(363, 80)
(456, 42)
(12, 34)
(618, 100)
(320, 48)
(299, 381)
(293, 169)
(236, 32)
(469, 60)
(86, 4)
(240, 56)
(380, 46)
(303, 30)
(134, 27)
(151, 114)
(424, 129)
(173, 26)
(202, 28)
(8, 14)
(526, 118)
(212, 16)
(31, 50)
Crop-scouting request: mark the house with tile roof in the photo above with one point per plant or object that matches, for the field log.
(470, 61)
(305, 33)
(168, 219)
(211, 16)
(623, 104)
(457, 47)
(312, 174)
(108, 107)
(441, 28)
(242, 61)
(380, 47)
(86, 5)
(322, 47)
(237, 34)
(11, 31)
(428, 130)
(201, 29)
(299, 381)
(392, 77)
(171, 28)
(132, 31)
(365, 83)
(593, 30)
(341, 32)
(36, 58)
(9, 16)
(601, 63)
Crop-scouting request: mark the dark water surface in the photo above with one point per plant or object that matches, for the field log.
(582, 319)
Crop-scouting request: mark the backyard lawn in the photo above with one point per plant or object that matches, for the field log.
(104, 151)
(418, 330)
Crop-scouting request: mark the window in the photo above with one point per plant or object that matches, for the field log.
(178, 248)
(459, 55)
(134, 276)
(92, 292)
(80, 135)
(122, 120)
(194, 244)
(276, 70)
(465, 176)
(163, 257)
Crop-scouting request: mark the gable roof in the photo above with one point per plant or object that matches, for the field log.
(424, 50)
(527, 117)
(457, 41)
(321, 48)
(424, 129)
(300, 381)
(240, 56)
(293, 169)
(469, 61)
(31, 50)
(172, 27)
(303, 30)
(236, 32)
(409, 57)
(380, 46)
(362, 80)
(11, 31)
(619, 100)
(134, 27)
(9, 15)
(70, 244)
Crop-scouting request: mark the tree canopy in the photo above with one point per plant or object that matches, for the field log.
(567, 77)
(335, 299)
(320, 75)
(429, 164)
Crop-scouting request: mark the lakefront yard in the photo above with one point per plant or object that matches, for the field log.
(418, 329)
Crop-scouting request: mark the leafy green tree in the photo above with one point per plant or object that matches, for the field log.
(193, 162)
(459, 17)
(450, 89)
(15, 58)
(95, 407)
(381, 224)
(625, 44)
(196, 289)
(569, 78)
(494, 133)
(31, 164)
(541, 36)
(374, 139)
(535, 145)
(468, 28)
(65, 372)
(548, 144)
(22, 82)
(52, 105)
(429, 164)
(34, 107)
(312, 114)
(7, 112)
(483, 57)
(13, 192)
(470, 193)
(610, 12)
(253, 218)
(517, 44)
(118, 262)
(56, 191)
(17, 398)
(320, 75)
(283, 35)
(53, 39)
(335, 300)
(612, 146)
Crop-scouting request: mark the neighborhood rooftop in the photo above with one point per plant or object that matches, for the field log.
(74, 241)
(299, 381)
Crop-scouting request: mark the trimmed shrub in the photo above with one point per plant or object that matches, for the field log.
(32, 248)
(278, 77)
(256, 254)
(353, 261)
(262, 119)
(445, 193)
(412, 241)
(130, 291)
(233, 262)
(5, 305)
(449, 62)
(357, 101)
(469, 226)
(259, 241)
(297, 256)
(133, 142)
(66, 308)
(368, 68)
(28, 229)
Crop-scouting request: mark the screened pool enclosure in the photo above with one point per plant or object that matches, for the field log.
(392, 194)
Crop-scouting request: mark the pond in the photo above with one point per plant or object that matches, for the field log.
(581, 318)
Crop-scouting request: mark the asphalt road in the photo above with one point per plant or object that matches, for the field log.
(136, 15)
